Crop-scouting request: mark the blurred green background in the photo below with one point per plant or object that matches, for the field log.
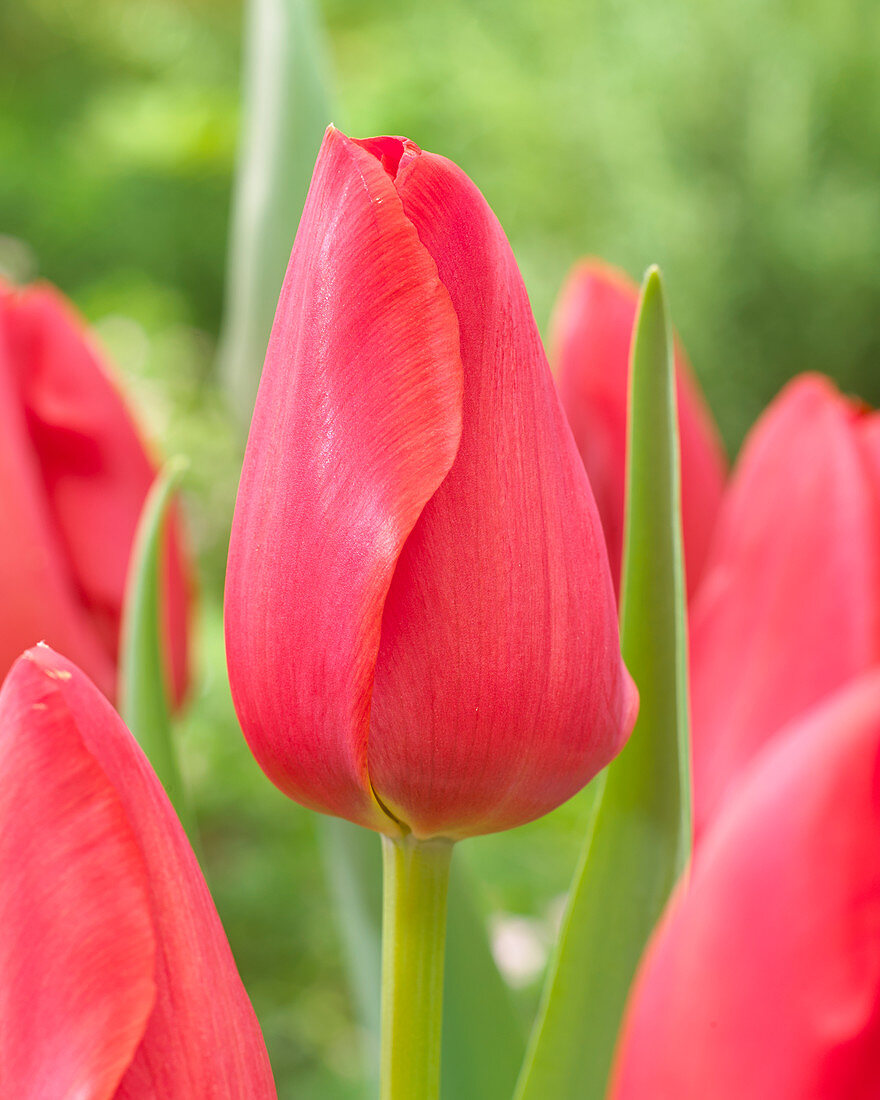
(736, 144)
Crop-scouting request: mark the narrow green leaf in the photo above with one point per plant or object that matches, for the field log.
(143, 689)
(287, 107)
(639, 839)
(483, 1041)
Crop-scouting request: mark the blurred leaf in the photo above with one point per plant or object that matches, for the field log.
(286, 110)
(353, 865)
(482, 1038)
(143, 689)
(639, 839)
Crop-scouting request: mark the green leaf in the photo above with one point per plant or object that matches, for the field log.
(286, 109)
(639, 840)
(483, 1041)
(143, 689)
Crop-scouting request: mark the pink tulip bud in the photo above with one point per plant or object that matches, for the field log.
(116, 979)
(789, 607)
(420, 620)
(591, 335)
(763, 979)
(74, 474)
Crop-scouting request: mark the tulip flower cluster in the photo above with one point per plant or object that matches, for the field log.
(763, 978)
(422, 637)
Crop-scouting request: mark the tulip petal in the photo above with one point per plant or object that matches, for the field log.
(591, 336)
(77, 949)
(868, 428)
(94, 469)
(357, 421)
(499, 688)
(763, 981)
(202, 1040)
(788, 610)
(39, 595)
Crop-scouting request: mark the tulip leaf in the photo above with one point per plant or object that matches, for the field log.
(287, 108)
(144, 691)
(639, 839)
(483, 1041)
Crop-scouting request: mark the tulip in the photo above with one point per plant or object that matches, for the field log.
(763, 980)
(590, 341)
(420, 618)
(789, 607)
(116, 979)
(74, 475)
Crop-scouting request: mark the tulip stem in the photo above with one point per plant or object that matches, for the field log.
(416, 877)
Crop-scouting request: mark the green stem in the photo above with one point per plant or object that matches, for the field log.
(416, 876)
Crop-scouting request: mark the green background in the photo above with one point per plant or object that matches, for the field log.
(735, 144)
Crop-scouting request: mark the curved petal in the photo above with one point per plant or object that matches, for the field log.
(763, 981)
(868, 429)
(202, 1040)
(789, 608)
(77, 949)
(499, 687)
(591, 335)
(38, 592)
(357, 421)
(94, 469)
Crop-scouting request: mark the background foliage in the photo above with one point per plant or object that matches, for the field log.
(736, 144)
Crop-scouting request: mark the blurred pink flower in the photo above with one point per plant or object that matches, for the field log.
(763, 978)
(590, 341)
(74, 474)
(789, 607)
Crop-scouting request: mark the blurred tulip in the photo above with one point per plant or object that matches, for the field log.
(74, 475)
(116, 979)
(763, 979)
(420, 618)
(789, 608)
(590, 340)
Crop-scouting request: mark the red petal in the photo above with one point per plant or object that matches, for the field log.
(764, 979)
(94, 475)
(499, 686)
(38, 591)
(77, 949)
(592, 331)
(202, 1039)
(357, 422)
(788, 609)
